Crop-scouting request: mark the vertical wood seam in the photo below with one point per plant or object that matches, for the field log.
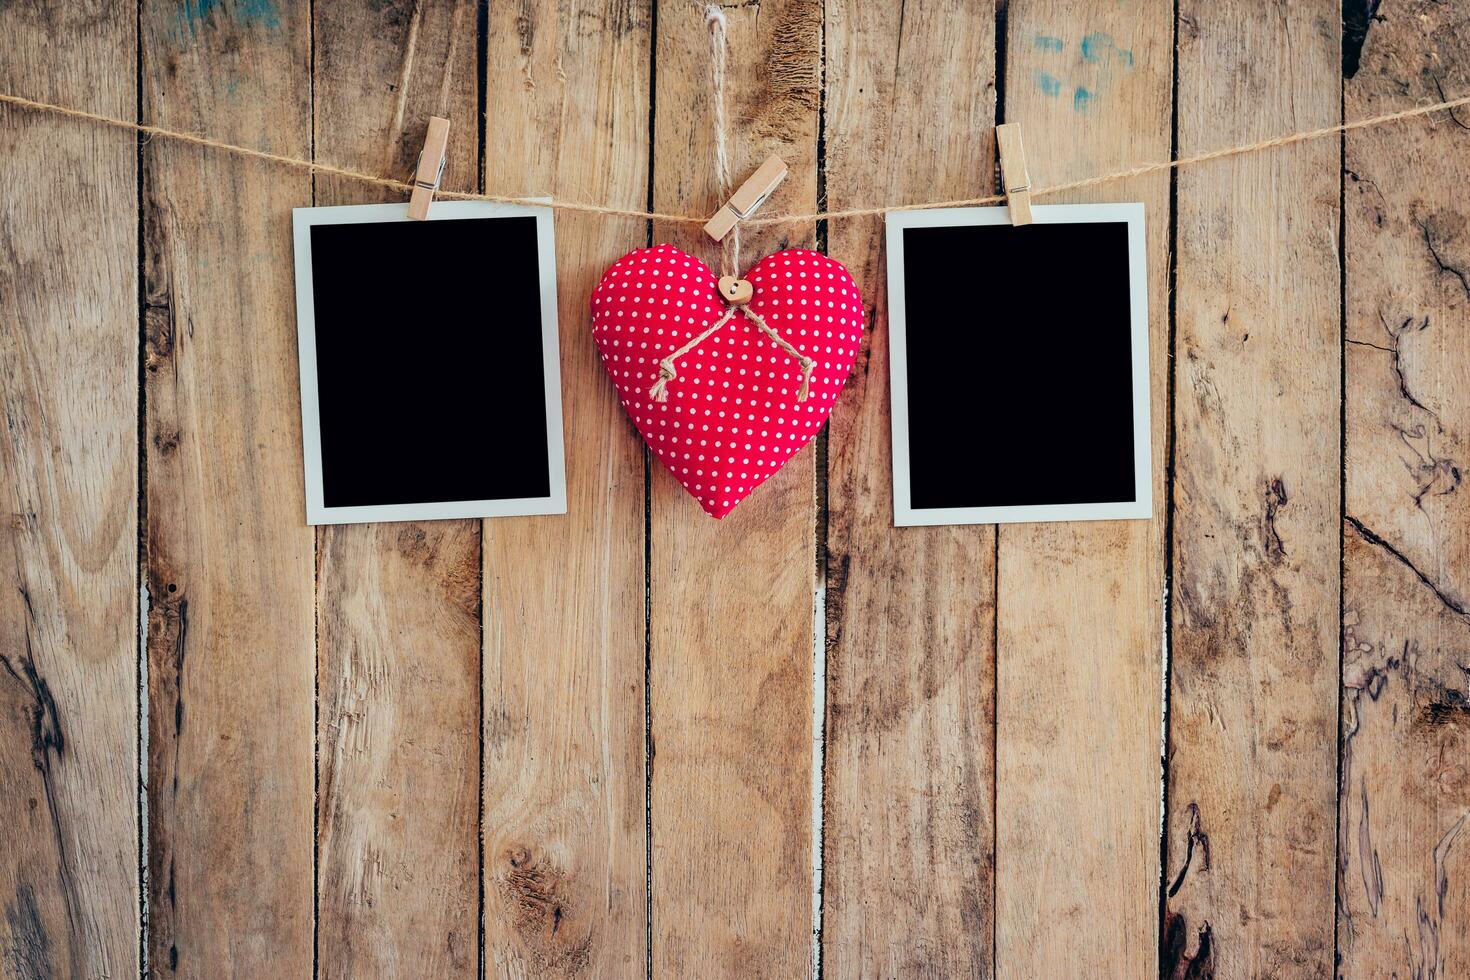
(822, 477)
(1001, 34)
(141, 581)
(316, 571)
(648, 747)
(994, 735)
(648, 743)
(482, 153)
(1170, 475)
(1342, 458)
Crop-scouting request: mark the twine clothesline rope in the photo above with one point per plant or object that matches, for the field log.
(327, 169)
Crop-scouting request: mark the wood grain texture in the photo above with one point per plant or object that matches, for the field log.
(908, 884)
(731, 601)
(68, 500)
(230, 558)
(564, 799)
(1404, 797)
(398, 605)
(1079, 643)
(1253, 710)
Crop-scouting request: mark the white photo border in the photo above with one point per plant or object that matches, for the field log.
(1141, 507)
(555, 502)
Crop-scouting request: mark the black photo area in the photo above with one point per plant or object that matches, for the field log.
(1020, 384)
(428, 361)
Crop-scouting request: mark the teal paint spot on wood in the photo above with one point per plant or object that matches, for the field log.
(1100, 47)
(261, 10)
(1048, 83)
(193, 13)
(1048, 43)
(1081, 99)
(1095, 46)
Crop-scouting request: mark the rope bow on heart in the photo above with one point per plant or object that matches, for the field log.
(714, 17)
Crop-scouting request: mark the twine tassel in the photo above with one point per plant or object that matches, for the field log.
(806, 379)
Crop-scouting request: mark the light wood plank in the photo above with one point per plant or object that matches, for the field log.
(1403, 839)
(908, 885)
(398, 605)
(1079, 644)
(1253, 710)
(732, 601)
(564, 796)
(230, 558)
(68, 514)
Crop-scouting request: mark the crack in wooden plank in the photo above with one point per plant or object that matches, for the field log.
(1371, 537)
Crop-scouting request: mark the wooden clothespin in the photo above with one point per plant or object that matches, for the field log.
(431, 168)
(1013, 172)
(751, 195)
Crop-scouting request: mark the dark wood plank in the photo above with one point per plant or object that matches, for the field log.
(908, 885)
(68, 508)
(564, 797)
(731, 601)
(398, 631)
(230, 558)
(1403, 840)
(1253, 710)
(1079, 643)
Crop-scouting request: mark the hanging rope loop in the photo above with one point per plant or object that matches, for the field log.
(714, 17)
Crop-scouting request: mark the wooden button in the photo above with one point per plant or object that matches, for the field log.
(736, 292)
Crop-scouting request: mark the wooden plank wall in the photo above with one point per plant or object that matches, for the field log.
(69, 847)
(1252, 703)
(1404, 785)
(229, 563)
(633, 741)
(564, 794)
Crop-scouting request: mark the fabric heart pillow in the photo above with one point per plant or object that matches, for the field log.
(725, 395)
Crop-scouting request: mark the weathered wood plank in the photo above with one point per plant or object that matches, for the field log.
(1080, 605)
(564, 797)
(908, 885)
(1403, 875)
(731, 622)
(68, 514)
(1253, 710)
(230, 558)
(1403, 839)
(398, 605)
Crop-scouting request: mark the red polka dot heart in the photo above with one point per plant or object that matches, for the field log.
(731, 410)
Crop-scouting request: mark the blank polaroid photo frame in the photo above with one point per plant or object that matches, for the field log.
(430, 362)
(1019, 365)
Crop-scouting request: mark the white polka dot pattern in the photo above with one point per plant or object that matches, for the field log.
(732, 418)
